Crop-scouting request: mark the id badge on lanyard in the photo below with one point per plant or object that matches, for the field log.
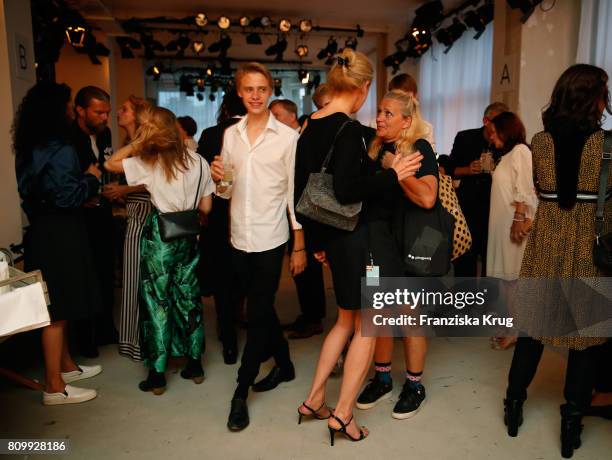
(372, 273)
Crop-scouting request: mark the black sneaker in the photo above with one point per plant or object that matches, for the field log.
(373, 393)
(410, 400)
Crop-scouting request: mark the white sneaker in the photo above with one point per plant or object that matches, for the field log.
(71, 395)
(84, 372)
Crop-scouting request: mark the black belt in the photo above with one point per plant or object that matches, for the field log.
(584, 197)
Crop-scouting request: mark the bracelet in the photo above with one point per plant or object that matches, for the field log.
(299, 250)
(518, 220)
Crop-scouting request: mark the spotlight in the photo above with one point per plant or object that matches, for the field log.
(211, 97)
(200, 97)
(479, 18)
(278, 48)
(221, 46)
(76, 36)
(155, 71)
(200, 84)
(265, 21)
(329, 50)
(429, 15)
(284, 25)
(151, 46)
(303, 76)
(301, 51)
(395, 60)
(451, 34)
(526, 6)
(418, 41)
(351, 42)
(198, 46)
(183, 42)
(224, 23)
(253, 39)
(244, 21)
(201, 20)
(305, 26)
(209, 71)
(126, 44)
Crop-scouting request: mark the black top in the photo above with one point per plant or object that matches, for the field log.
(467, 147)
(382, 208)
(211, 139)
(350, 166)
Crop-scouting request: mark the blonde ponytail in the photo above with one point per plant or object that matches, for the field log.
(350, 72)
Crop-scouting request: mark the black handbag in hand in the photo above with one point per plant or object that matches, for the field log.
(602, 247)
(424, 238)
(319, 203)
(181, 224)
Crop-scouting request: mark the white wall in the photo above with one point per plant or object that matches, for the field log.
(549, 44)
(16, 77)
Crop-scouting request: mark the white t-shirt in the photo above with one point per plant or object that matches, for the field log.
(177, 195)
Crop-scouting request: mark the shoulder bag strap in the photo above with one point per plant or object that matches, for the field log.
(606, 155)
(331, 148)
(195, 203)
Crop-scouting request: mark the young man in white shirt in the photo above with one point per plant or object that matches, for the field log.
(260, 151)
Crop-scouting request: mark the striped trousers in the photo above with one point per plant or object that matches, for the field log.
(138, 207)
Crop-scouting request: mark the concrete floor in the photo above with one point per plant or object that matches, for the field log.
(461, 418)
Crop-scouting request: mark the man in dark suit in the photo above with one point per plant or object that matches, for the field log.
(92, 141)
(215, 265)
(474, 192)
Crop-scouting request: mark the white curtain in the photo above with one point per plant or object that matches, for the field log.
(204, 112)
(595, 38)
(455, 88)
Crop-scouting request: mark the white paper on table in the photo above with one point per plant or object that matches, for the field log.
(23, 309)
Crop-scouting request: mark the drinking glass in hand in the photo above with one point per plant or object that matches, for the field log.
(486, 160)
(228, 175)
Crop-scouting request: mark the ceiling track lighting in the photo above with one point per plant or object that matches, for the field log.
(201, 20)
(284, 25)
(224, 23)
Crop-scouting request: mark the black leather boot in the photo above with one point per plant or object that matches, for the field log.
(571, 428)
(513, 415)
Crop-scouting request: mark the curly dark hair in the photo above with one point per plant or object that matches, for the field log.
(510, 130)
(42, 117)
(576, 99)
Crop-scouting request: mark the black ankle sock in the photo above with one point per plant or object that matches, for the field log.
(383, 372)
(414, 377)
(242, 392)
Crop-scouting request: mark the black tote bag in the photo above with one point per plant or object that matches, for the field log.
(424, 238)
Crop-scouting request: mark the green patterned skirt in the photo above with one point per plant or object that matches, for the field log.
(171, 312)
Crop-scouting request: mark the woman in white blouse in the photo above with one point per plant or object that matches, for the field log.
(176, 178)
(513, 203)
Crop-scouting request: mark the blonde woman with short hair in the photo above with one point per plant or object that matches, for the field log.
(400, 130)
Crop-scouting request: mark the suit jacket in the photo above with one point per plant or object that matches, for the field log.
(214, 238)
(474, 191)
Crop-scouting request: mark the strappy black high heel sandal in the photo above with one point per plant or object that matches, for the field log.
(342, 429)
(314, 413)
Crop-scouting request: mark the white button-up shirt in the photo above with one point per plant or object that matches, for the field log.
(262, 189)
